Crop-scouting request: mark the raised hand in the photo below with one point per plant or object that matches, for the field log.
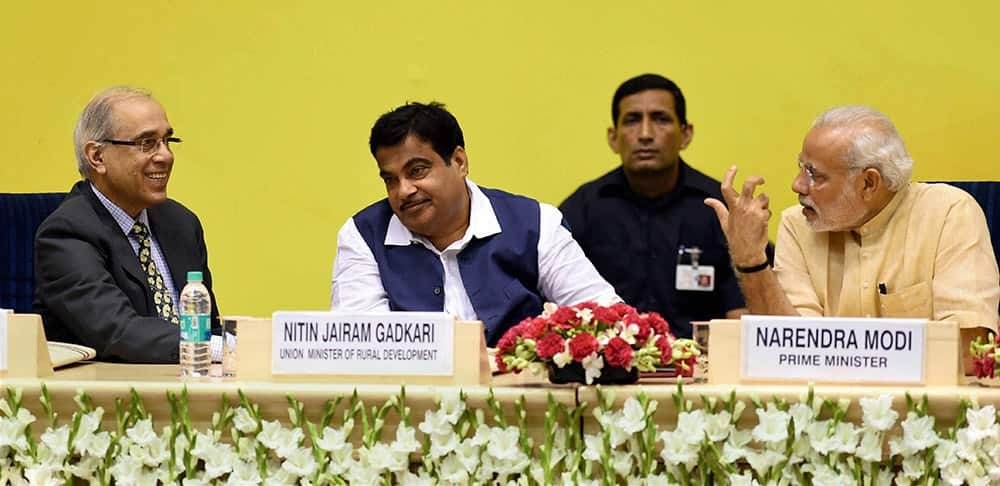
(745, 220)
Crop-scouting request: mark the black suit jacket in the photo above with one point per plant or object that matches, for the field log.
(90, 289)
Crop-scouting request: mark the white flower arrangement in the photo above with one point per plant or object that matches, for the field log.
(808, 442)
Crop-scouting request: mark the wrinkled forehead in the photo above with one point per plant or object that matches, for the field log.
(136, 114)
(826, 148)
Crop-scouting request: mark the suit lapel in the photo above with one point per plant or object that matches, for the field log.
(119, 241)
(167, 237)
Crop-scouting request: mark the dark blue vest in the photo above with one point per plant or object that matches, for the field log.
(500, 272)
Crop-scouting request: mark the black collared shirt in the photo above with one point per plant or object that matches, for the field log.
(633, 241)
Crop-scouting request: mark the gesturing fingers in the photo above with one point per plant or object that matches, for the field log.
(750, 185)
(728, 192)
(721, 212)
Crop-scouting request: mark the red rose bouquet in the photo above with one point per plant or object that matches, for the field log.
(984, 356)
(594, 336)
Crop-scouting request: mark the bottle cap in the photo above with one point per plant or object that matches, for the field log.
(194, 276)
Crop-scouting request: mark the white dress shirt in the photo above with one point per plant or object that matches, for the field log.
(565, 275)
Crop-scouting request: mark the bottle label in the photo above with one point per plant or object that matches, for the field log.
(196, 328)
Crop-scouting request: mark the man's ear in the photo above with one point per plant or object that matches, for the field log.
(460, 158)
(687, 134)
(871, 182)
(613, 139)
(95, 157)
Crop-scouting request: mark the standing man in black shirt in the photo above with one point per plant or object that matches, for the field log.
(644, 225)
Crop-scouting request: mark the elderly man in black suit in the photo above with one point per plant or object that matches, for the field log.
(112, 259)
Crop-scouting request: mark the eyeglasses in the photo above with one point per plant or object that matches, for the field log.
(146, 145)
(810, 172)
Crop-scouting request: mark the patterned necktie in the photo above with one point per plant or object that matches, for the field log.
(161, 298)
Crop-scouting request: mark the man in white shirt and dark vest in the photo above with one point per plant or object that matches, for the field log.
(439, 242)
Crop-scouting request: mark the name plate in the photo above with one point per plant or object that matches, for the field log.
(341, 343)
(833, 349)
(3, 339)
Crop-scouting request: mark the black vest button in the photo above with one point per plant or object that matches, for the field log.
(437, 290)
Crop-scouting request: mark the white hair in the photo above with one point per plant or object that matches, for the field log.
(97, 122)
(874, 142)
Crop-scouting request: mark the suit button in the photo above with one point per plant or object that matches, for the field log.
(437, 290)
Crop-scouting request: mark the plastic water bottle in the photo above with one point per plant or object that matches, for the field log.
(196, 327)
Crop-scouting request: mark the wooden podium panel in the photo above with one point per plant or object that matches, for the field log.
(943, 354)
(253, 359)
(27, 349)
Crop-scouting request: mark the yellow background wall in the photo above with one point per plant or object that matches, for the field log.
(275, 99)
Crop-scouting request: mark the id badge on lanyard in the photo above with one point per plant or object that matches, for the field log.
(691, 275)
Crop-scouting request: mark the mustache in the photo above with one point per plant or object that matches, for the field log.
(412, 201)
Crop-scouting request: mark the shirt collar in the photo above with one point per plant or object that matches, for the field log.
(125, 222)
(881, 220)
(482, 222)
(617, 183)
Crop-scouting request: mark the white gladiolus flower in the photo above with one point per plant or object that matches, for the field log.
(913, 467)
(731, 454)
(443, 444)
(994, 472)
(504, 444)
(83, 469)
(564, 358)
(220, 460)
(43, 475)
(11, 435)
(967, 447)
(24, 417)
(333, 440)
(877, 412)
(244, 473)
(628, 333)
(621, 462)
(468, 454)
(633, 417)
(592, 366)
(744, 479)
(953, 474)
(57, 441)
(739, 438)
(288, 442)
(382, 458)
(691, 426)
(406, 440)
(870, 449)
(452, 405)
(270, 434)
(453, 471)
(773, 426)
(982, 422)
(717, 426)
(126, 469)
(91, 421)
(243, 421)
(585, 315)
(300, 462)
(142, 432)
(918, 432)
(678, 451)
(483, 434)
(436, 423)
(282, 477)
(549, 308)
(593, 445)
(844, 438)
(409, 479)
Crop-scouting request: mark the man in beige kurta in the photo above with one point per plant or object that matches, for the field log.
(864, 240)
